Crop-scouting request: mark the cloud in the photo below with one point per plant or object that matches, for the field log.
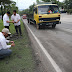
(61, 0)
(24, 4)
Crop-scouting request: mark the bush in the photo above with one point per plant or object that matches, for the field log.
(69, 11)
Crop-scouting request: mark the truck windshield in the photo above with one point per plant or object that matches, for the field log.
(48, 9)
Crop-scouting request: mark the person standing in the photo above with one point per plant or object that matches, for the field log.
(6, 20)
(16, 18)
(4, 48)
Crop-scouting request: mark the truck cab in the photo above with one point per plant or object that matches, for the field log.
(46, 15)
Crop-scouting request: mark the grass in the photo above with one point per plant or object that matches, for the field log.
(21, 59)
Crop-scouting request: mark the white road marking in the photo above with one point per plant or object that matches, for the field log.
(56, 67)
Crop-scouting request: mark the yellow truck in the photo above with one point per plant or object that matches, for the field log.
(45, 15)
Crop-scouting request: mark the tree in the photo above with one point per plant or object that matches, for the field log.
(68, 4)
(7, 5)
(60, 4)
(37, 1)
(3, 3)
(49, 1)
(31, 8)
(46, 0)
(13, 7)
(28, 11)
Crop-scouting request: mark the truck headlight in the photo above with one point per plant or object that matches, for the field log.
(40, 20)
(57, 19)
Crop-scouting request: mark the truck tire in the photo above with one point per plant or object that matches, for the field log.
(53, 26)
(38, 26)
(30, 22)
(34, 22)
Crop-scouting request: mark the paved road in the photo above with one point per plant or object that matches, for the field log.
(57, 42)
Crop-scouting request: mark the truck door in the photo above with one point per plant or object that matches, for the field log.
(35, 14)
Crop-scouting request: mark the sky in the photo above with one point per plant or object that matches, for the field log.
(24, 4)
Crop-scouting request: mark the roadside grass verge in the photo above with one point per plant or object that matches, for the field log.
(21, 59)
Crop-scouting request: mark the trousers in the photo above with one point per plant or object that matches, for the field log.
(18, 28)
(5, 52)
(7, 27)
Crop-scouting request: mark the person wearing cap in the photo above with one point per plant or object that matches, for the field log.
(4, 48)
(16, 18)
(6, 20)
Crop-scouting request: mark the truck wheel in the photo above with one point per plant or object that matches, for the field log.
(34, 22)
(38, 26)
(53, 26)
(29, 22)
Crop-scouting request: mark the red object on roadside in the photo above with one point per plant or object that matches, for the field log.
(24, 16)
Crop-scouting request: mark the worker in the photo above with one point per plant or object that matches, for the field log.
(16, 18)
(6, 20)
(4, 48)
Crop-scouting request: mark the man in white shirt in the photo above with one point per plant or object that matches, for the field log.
(16, 18)
(4, 48)
(6, 20)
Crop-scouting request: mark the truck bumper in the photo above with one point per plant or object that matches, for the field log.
(49, 23)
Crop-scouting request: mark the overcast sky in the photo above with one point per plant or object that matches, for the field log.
(23, 4)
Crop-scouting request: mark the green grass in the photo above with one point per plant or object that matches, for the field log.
(21, 59)
(1, 25)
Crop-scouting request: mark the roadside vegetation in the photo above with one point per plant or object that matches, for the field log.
(22, 59)
(30, 9)
(66, 5)
(7, 5)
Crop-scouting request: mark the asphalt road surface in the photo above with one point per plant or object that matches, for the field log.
(57, 42)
